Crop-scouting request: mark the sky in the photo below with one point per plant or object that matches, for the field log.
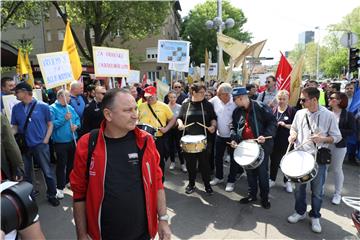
(281, 21)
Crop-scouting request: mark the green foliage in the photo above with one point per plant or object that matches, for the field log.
(18, 12)
(194, 30)
(335, 63)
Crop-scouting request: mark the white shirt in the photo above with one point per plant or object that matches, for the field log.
(224, 115)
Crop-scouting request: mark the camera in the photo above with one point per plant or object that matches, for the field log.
(18, 209)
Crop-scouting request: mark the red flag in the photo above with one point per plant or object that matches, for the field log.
(283, 74)
(144, 80)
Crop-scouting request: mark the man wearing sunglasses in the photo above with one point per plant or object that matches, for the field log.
(269, 95)
(93, 115)
(319, 125)
(180, 95)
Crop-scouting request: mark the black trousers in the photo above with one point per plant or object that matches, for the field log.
(275, 159)
(161, 147)
(174, 137)
(65, 153)
(192, 159)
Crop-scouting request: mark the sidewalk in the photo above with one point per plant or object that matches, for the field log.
(220, 216)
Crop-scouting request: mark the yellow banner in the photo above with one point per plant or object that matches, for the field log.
(21, 65)
(30, 79)
(70, 47)
(230, 45)
(295, 84)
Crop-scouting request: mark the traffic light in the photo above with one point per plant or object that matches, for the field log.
(354, 59)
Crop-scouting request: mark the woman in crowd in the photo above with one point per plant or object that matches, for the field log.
(174, 134)
(338, 102)
(284, 115)
(197, 117)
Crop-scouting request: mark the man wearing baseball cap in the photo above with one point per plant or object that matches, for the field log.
(254, 120)
(37, 134)
(158, 115)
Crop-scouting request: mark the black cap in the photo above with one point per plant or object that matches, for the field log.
(23, 86)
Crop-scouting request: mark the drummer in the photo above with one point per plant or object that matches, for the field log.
(322, 128)
(158, 115)
(254, 120)
(197, 109)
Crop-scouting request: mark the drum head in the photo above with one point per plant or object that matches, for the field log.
(297, 163)
(246, 152)
(193, 138)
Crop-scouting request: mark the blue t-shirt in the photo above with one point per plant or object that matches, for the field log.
(78, 104)
(37, 126)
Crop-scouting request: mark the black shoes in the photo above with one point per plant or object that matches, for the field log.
(53, 201)
(190, 189)
(247, 200)
(209, 190)
(265, 204)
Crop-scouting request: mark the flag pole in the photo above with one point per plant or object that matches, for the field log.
(67, 110)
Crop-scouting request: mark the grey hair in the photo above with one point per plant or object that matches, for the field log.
(75, 84)
(225, 87)
(61, 92)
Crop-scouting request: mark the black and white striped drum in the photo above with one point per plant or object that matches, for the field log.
(299, 166)
(147, 128)
(249, 154)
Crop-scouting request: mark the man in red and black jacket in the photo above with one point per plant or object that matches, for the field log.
(119, 195)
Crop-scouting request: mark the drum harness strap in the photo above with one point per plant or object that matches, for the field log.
(152, 111)
(255, 120)
(311, 130)
(186, 116)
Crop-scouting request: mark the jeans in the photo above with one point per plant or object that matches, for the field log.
(259, 174)
(65, 160)
(220, 146)
(41, 154)
(317, 193)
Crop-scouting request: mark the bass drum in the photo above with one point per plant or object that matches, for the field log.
(299, 166)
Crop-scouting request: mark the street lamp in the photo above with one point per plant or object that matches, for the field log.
(317, 53)
(218, 24)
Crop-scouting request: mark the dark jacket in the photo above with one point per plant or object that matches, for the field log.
(92, 118)
(347, 127)
(261, 119)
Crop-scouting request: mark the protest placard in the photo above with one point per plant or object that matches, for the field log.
(212, 69)
(55, 68)
(172, 51)
(134, 77)
(161, 89)
(111, 62)
(180, 67)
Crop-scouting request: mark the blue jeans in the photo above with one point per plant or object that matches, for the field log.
(317, 193)
(41, 154)
(259, 174)
(220, 146)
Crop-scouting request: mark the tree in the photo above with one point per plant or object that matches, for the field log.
(194, 30)
(133, 20)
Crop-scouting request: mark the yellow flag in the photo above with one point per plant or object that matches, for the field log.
(207, 65)
(70, 47)
(230, 45)
(21, 65)
(229, 72)
(245, 73)
(295, 84)
(253, 50)
(30, 79)
(222, 71)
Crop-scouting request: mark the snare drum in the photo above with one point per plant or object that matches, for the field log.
(299, 166)
(147, 128)
(249, 154)
(193, 143)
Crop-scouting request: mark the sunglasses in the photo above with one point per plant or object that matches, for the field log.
(268, 82)
(303, 99)
(177, 87)
(102, 93)
(332, 98)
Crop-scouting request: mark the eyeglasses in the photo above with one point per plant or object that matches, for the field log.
(177, 87)
(332, 98)
(268, 82)
(303, 99)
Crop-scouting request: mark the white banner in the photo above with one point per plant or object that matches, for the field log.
(161, 89)
(134, 77)
(111, 62)
(212, 69)
(172, 51)
(55, 68)
(179, 67)
(9, 102)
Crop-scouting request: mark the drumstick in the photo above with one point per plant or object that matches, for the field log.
(309, 140)
(288, 148)
(255, 139)
(189, 125)
(203, 125)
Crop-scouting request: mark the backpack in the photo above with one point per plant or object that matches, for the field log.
(92, 144)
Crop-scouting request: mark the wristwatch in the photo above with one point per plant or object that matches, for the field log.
(164, 218)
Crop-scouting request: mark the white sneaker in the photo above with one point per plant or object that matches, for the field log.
(288, 187)
(172, 166)
(271, 183)
(336, 199)
(183, 168)
(296, 217)
(229, 187)
(59, 194)
(216, 181)
(315, 225)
